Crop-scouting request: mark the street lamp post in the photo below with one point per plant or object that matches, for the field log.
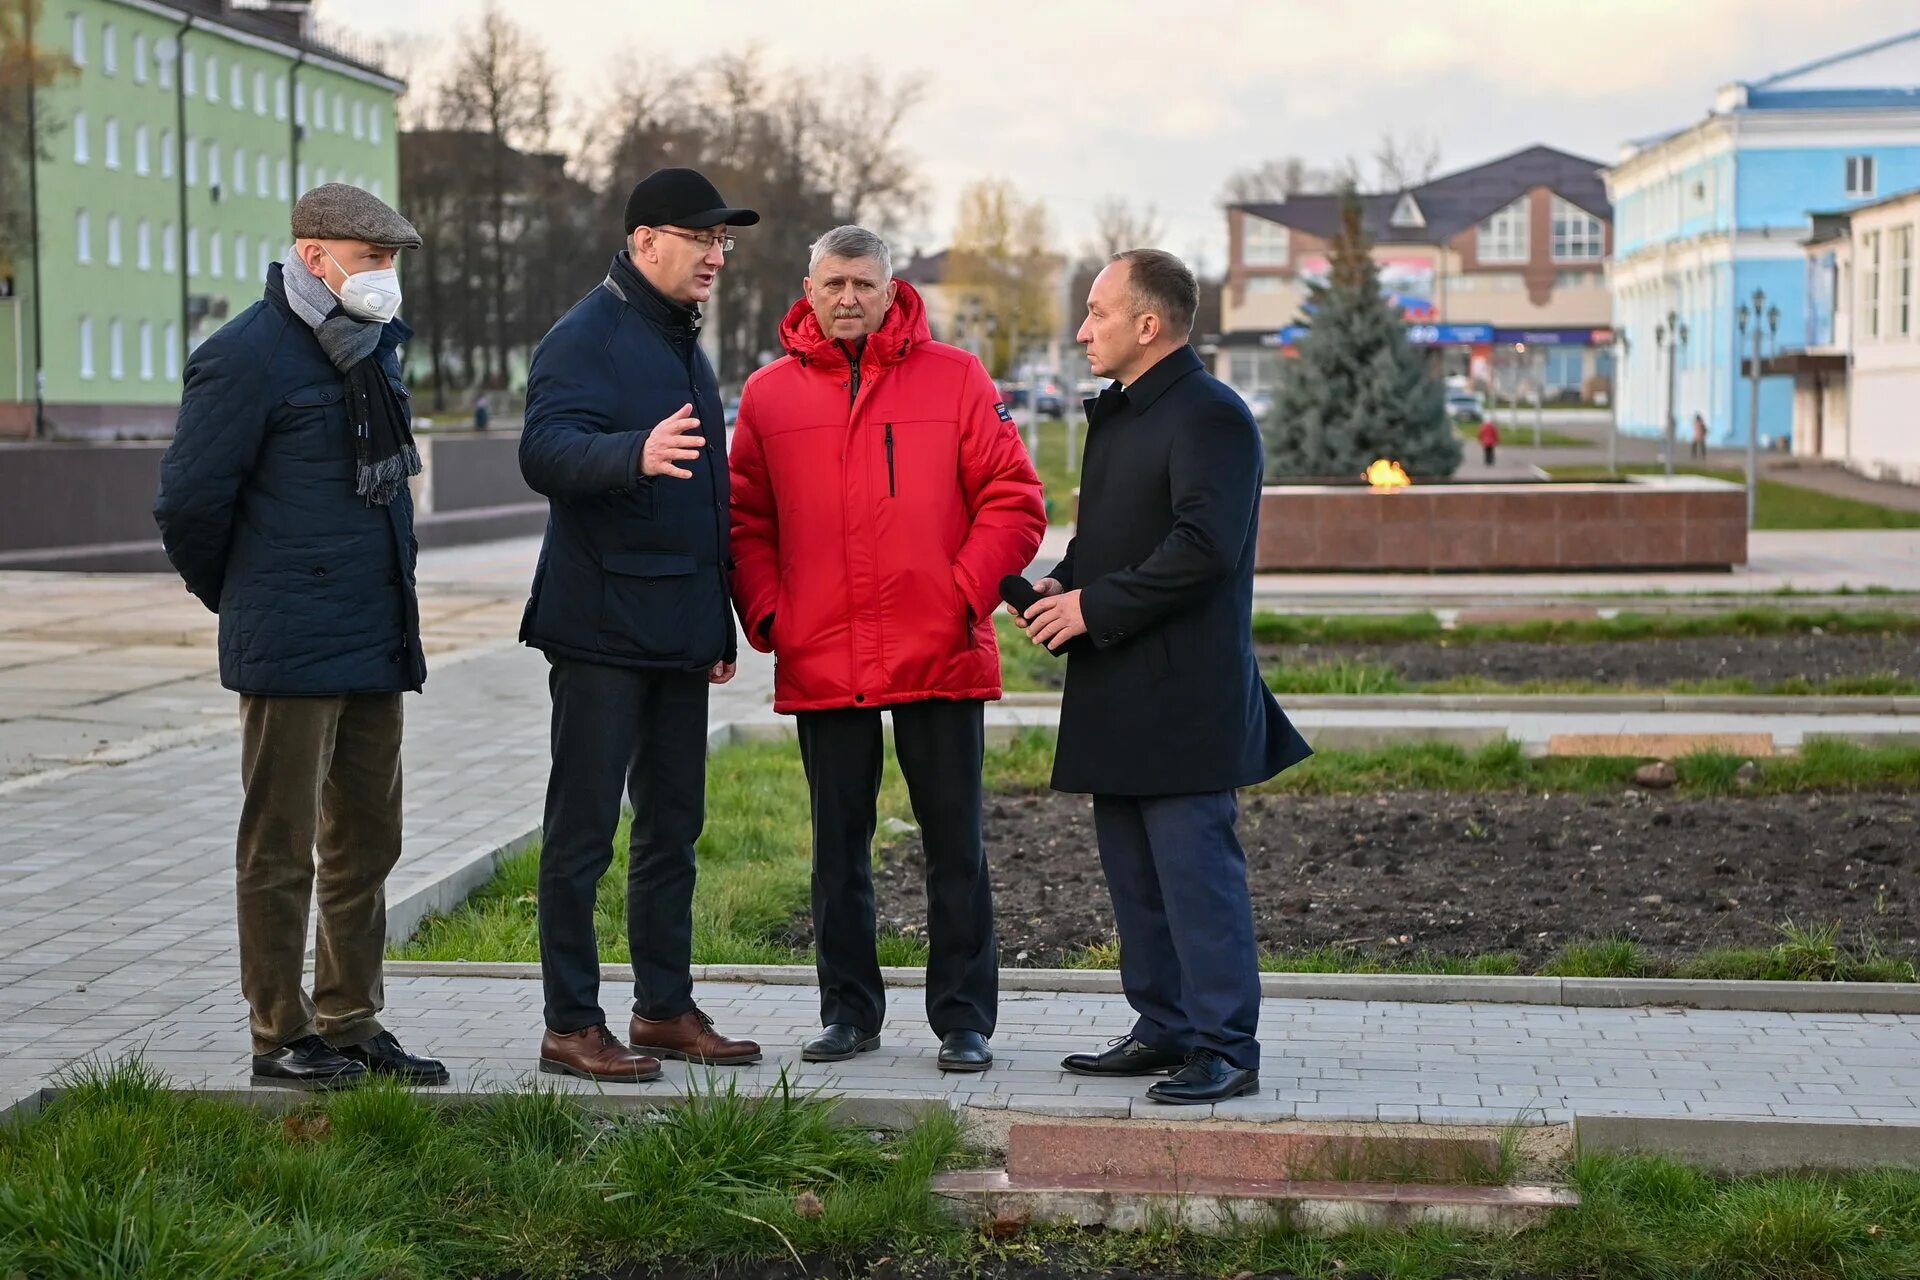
(1761, 333)
(1672, 335)
(1613, 397)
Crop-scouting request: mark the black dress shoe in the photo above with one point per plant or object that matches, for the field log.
(1124, 1057)
(383, 1056)
(837, 1042)
(306, 1063)
(965, 1051)
(1207, 1077)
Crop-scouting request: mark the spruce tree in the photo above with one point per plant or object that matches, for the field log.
(1358, 389)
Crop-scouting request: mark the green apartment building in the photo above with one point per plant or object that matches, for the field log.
(173, 157)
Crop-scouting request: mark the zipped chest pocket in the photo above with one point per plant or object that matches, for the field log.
(893, 485)
(922, 458)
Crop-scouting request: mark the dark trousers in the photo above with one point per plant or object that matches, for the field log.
(1488, 450)
(617, 729)
(1188, 962)
(940, 746)
(321, 774)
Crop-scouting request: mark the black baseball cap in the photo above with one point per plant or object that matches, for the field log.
(681, 198)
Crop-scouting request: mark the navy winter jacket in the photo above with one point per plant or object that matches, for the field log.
(257, 511)
(633, 571)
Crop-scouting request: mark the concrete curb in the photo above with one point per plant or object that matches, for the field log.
(1716, 704)
(1603, 993)
(1757, 1145)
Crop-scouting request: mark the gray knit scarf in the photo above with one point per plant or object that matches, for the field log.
(384, 454)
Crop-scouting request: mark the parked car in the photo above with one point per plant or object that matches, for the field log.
(1466, 404)
(1049, 398)
(1261, 404)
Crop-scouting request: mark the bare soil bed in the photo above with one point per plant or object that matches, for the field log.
(1471, 873)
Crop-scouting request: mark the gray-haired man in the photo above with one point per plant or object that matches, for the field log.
(284, 505)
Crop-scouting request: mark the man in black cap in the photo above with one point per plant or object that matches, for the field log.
(284, 505)
(630, 606)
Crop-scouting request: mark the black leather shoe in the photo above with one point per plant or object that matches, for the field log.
(965, 1051)
(383, 1056)
(1124, 1057)
(1207, 1077)
(306, 1063)
(837, 1042)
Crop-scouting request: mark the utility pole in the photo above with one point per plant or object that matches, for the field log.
(1760, 334)
(1672, 336)
(1613, 402)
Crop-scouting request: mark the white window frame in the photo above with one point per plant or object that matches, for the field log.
(109, 50)
(279, 97)
(377, 191)
(145, 339)
(216, 256)
(166, 153)
(282, 179)
(110, 143)
(211, 70)
(169, 249)
(82, 146)
(142, 151)
(164, 52)
(1263, 242)
(170, 343)
(317, 113)
(260, 93)
(192, 161)
(339, 112)
(116, 350)
(1870, 287)
(82, 237)
(261, 182)
(189, 74)
(300, 179)
(266, 259)
(1578, 236)
(237, 86)
(1902, 326)
(300, 105)
(193, 251)
(139, 57)
(1861, 177)
(359, 119)
(86, 347)
(213, 164)
(239, 255)
(1506, 234)
(374, 122)
(113, 240)
(77, 41)
(239, 171)
(143, 245)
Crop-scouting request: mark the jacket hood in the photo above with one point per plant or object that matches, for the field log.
(905, 327)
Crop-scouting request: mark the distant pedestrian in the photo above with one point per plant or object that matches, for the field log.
(1699, 447)
(482, 413)
(1489, 439)
(284, 505)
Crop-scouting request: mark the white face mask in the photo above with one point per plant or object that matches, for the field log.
(370, 295)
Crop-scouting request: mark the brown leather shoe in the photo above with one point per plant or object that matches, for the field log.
(690, 1038)
(594, 1054)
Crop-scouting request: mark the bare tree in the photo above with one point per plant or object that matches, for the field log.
(1275, 180)
(1402, 162)
(26, 65)
(1117, 225)
(1004, 271)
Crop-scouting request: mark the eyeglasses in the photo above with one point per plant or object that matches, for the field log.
(705, 239)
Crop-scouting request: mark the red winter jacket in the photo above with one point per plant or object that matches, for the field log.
(876, 506)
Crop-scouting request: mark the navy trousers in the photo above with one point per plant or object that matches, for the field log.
(1188, 961)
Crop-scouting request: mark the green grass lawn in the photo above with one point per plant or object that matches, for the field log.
(1057, 479)
(120, 1178)
(1512, 436)
(1778, 505)
(755, 854)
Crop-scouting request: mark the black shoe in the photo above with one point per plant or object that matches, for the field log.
(1207, 1077)
(1124, 1057)
(383, 1056)
(837, 1042)
(965, 1051)
(306, 1063)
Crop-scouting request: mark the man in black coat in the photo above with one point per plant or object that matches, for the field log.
(1165, 714)
(283, 503)
(630, 606)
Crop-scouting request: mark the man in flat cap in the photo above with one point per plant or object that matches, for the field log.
(284, 505)
(624, 435)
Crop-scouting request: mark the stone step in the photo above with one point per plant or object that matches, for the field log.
(1222, 1206)
(1172, 1157)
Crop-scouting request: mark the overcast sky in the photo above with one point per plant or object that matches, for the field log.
(1072, 100)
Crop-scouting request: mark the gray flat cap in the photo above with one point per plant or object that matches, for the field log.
(336, 211)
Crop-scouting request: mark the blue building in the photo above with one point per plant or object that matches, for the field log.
(1708, 213)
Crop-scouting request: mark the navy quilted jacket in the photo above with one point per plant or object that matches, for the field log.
(633, 572)
(257, 510)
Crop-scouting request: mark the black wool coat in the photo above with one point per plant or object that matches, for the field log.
(1164, 696)
(633, 571)
(257, 510)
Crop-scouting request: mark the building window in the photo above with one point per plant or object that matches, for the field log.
(1503, 237)
(86, 340)
(240, 256)
(166, 153)
(1577, 234)
(213, 78)
(1576, 279)
(193, 251)
(259, 93)
(300, 104)
(191, 153)
(1263, 243)
(187, 80)
(213, 166)
(260, 187)
(143, 246)
(280, 184)
(109, 50)
(377, 191)
(80, 56)
(140, 57)
(360, 180)
(300, 180)
(339, 112)
(169, 255)
(216, 257)
(1407, 212)
(266, 257)
(170, 339)
(239, 171)
(1870, 286)
(111, 136)
(82, 237)
(116, 350)
(82, 152)
(1902, 281)
(237, 87)
(142, 156)
(163, 51)
(319, 116)
(280, 98)
(1860, 175)
(359, 119)
(146, 351)
(113, 239)
(319, 177)
(373, 123)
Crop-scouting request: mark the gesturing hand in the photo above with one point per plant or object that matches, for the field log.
(673, 440)
(1056, 620)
